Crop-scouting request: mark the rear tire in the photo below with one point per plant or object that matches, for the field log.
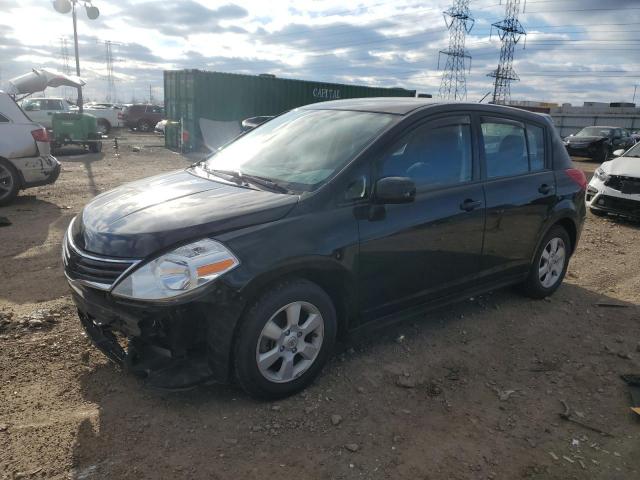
(9, 182)
(95, 147)
(284, 340)
(549, 265)
(104, 127)
(144, 126)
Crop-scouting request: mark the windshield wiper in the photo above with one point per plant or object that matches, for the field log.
(265, 182)
(254, 179)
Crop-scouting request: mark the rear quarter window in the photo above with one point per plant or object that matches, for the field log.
(3, 119)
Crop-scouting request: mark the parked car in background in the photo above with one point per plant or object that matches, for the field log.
(615, 185)
(25, 159)
(41, 110)
(598, 143)
(322, 220)
(142, 117)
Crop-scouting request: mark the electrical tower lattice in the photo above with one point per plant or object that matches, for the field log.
(111, 83)
(459, 22)
(64, 60)
(510, 30)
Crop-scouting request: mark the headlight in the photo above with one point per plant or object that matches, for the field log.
(178, 272)
(600, 174)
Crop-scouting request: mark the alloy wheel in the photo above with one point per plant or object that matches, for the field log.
(6, 181)
(552, 262)
(290, 342)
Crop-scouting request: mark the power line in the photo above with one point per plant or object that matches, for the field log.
(459, 22)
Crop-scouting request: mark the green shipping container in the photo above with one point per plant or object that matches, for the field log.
(220, 101)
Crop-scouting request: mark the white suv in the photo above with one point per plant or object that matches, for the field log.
(25, 159)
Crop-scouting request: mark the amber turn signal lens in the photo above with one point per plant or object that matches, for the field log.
(217, 267)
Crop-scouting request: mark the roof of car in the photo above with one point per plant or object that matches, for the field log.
(396, 105)
(406, 105)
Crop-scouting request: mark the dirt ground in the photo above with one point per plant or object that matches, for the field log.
(472, 391)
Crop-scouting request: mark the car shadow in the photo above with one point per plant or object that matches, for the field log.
(213, 429)
(87, 159)
(23, 244)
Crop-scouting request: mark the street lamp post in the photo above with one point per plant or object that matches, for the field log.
(66, 6)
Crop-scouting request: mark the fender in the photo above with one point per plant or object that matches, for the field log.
(563, 211)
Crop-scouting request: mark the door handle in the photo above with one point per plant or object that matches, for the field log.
(469, 205)
(544, 188)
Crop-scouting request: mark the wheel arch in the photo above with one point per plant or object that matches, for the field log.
(329, 275)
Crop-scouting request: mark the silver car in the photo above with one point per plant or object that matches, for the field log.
(25, 154)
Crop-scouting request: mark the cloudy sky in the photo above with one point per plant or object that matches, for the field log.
(575, 50)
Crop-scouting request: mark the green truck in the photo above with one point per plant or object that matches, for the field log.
(207, 108)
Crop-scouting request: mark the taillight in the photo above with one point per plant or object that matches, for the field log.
(40, 135)
(578, 177)
(120, 116)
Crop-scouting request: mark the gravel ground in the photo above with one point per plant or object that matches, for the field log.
(472, 391)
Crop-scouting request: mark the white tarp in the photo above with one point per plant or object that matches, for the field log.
(39, 79)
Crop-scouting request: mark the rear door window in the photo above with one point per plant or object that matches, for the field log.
(512, 148)
(435, 154)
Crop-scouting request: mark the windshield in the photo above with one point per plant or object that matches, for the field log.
(595, 132)
(301, 149)
(633, 151)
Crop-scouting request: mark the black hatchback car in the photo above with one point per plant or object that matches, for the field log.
(322, 220)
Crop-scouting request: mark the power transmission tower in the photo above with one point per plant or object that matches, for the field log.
(64, 60)
(510, 30)
(459, 22)
(111, 84)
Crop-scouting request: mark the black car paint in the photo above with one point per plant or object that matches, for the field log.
(362, 253)
(591, 146)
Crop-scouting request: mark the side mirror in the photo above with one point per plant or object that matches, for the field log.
(618, 153)
(395, 190)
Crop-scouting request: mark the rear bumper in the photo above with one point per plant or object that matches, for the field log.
(37, 171)
(169, 346)
(606, 199)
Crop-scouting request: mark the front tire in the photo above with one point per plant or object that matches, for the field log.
(549, 265)
(284, 340)
(603, 153)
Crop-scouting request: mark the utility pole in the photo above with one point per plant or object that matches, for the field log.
(459, 22)
(510, 30)
(150, 95)
(66, 6)
(635, 89)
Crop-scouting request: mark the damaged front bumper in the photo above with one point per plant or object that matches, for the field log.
(601, 197)
(169, 346)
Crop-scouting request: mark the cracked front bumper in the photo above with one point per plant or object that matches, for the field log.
(169, 346)
(606, 199)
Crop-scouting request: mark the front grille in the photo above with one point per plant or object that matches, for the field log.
(624, 205)
(98, 272)
(624, 184)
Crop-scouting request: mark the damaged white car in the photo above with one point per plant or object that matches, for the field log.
(25, 158)
(615, 186)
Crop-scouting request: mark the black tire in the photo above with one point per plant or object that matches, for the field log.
(598, 213)
(144, 126)
(95, 147)
(10, 185)
(247, 372)
(533, 287)
(104, 127)
(603, 153)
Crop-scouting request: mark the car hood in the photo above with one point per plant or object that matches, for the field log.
(140, 218)
(623, 166)
(583, 139)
